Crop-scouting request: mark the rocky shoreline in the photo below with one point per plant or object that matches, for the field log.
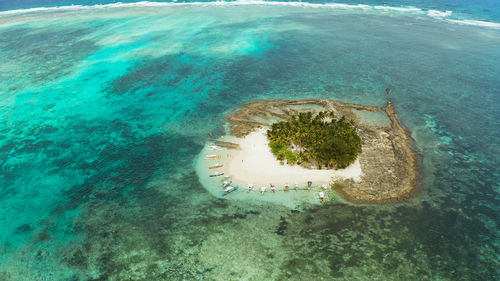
(388, 160)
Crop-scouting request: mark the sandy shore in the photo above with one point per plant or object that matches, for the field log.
(254, 163)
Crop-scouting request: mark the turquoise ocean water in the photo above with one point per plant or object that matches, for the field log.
(103, 110)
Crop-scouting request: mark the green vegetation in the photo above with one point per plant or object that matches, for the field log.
(320, 140)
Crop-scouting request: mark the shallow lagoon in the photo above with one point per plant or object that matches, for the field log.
(378, 119)
(103, 112)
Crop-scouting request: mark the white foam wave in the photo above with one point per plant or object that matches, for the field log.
(476, 23)
(215, 3)
(43, 9)
(398, 9)
(439, 14)
(389, 9)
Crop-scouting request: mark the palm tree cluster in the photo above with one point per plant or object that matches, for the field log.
(320, 140)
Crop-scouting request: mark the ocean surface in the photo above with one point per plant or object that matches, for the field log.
(104, 108)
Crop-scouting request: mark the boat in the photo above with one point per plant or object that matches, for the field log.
(263, 189)
(212, 156)
(321, 196)
(216, 174)
(250, 187)
(214, 147)
(215, 166)
(229, 190)
(224, 178)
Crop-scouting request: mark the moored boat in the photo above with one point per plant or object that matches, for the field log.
(216, 174)
(321, 195)
(250, 187)
(212, 156)
(215, 166)
(224, 178)
(229, 189)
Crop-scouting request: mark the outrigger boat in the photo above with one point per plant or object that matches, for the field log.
(250, 187)
(212, 156)
(321, 196)
(224, 178)
(216, 174)
(229, 189)
(216, 166)
(214, 147)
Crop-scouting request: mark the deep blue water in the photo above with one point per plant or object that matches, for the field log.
(103, 111)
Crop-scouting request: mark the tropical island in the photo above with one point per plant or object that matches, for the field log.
(362, 153)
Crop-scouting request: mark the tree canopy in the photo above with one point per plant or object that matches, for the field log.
(319, 139)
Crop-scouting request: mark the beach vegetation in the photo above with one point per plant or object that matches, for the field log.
(282, 152)
(276, 147)
(290, 157)
(320, 140)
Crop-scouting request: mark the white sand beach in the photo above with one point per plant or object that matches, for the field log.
(255, 163)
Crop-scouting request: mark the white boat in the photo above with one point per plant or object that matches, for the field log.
(212, 156)
(216, 174)
(229, 189)
(218, 165)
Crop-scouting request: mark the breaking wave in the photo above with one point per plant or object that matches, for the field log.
(436, 14)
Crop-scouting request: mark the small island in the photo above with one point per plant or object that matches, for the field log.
(362, 153)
